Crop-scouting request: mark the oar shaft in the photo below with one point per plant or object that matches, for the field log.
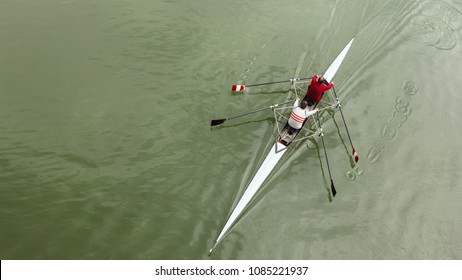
(243, 87)
(334, 192)
(356, 158)
(343, 117)
(220, 121)
(258, 110)
(278, 82)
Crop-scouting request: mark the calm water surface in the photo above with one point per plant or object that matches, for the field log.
(106, 150)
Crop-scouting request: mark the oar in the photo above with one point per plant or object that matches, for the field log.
(243, 87)
(220, 121)
(332, 187)
(353, 151)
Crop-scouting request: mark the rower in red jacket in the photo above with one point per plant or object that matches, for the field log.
(316, 90)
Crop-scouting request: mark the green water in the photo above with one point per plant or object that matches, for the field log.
(106, 150)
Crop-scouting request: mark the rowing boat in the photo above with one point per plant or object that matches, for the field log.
(284, 139)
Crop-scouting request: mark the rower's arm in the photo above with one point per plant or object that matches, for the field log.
(312, 112)
(296, 103)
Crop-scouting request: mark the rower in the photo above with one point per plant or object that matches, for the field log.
(316, 90)
(299, 114)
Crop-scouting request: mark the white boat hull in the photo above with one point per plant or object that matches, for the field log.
(265, 169)
(273, 157)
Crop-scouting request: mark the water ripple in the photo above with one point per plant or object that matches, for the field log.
(434, 23)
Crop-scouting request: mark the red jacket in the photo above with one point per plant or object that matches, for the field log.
(315, 91)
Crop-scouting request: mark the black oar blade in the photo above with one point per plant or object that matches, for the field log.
(334, 192)
(217, 122)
